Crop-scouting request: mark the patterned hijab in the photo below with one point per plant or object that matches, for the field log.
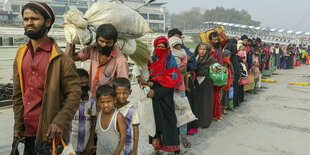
(164, 68)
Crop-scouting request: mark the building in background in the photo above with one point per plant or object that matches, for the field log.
(153, 13)
(60, 7)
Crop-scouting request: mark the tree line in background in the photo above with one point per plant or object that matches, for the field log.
(193, 18)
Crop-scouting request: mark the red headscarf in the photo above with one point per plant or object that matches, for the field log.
(227, 87)
(164, 68)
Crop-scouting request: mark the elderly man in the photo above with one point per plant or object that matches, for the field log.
(47, 89)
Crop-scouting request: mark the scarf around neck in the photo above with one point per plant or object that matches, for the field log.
(203, 63)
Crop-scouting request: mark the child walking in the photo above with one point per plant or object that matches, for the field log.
(83, 123)
(122, 89)
(110, 127)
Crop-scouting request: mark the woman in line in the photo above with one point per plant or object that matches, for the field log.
(166, 77)
(204, 85)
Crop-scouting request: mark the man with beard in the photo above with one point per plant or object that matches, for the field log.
(216, 45)
(47, 89)
(106, 61)
(216, 52)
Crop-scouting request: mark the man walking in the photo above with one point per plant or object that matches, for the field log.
(46, 91)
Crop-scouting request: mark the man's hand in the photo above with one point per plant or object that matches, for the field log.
(54, 131)
(19, 136)
(151, 94)
(217, 29)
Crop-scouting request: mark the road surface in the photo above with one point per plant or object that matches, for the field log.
(274, 122)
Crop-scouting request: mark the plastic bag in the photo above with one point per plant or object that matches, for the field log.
(231, 92)
(244, 81)
(79, 28)
(219, 78)
(183, 110)
(68, 149)
(146, 112)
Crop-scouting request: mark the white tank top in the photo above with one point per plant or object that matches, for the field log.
(107, 139)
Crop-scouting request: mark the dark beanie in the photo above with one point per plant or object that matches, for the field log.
(45, 10)
(244, 37)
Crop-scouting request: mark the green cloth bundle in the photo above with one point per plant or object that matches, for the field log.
(219, 78)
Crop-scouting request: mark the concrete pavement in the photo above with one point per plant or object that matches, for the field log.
(274, 122)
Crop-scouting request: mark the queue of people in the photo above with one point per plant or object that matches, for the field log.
(90, 109)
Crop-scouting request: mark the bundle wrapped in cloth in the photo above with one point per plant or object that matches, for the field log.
(81, 29)
(204, 35)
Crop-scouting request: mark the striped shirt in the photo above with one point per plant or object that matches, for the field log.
(81, 125)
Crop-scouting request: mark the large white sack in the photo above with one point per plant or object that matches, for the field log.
(183, 110)
(146, 112)
(129, 23)
(127, 46)
(77, 35)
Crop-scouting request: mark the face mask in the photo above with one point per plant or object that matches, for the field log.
(105, 50)
(159, 52)
(36, 34)
(216, 45)
(85, 90)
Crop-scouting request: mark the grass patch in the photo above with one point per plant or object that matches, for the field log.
(191, 45)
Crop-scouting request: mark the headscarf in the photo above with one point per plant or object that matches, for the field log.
(203, 64)
(226, 52)
(164, 68)
(227, 87)
(178, 54)
(45, 10)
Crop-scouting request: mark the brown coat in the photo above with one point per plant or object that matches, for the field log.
(61, 95)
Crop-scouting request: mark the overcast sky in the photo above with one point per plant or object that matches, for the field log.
(287, 14)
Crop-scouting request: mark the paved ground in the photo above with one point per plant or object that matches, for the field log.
(276, 121)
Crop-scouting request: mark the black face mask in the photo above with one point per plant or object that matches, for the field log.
(256, 54)
(216, 45)
(85, 90)
(36, 34)
(105, 50)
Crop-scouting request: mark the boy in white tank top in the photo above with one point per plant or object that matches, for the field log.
(110, 127)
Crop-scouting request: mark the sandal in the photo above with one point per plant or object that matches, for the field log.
(185, 142)
(190, 132)
(220, 119)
